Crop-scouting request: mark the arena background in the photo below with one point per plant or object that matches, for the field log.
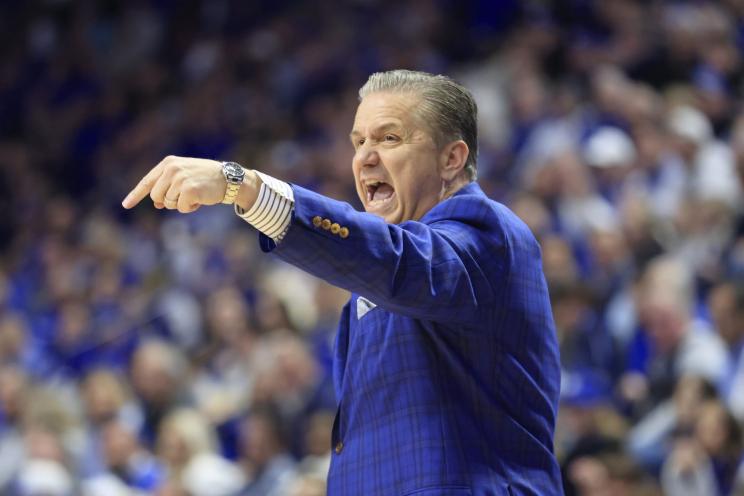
(149, 352)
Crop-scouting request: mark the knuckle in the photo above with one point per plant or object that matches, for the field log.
(169, 162)
(188, 187)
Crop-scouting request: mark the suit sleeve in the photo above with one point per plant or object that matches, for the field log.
(426, 271)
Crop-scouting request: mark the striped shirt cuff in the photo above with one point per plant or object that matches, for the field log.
(272, 212)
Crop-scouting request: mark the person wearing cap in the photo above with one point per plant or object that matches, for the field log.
(610, 153)
(446, 362)
(710, 162)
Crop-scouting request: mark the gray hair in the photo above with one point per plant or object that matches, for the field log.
(447, 105)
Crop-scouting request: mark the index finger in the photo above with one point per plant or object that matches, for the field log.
(143, 187)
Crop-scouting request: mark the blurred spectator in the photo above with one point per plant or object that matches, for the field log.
(678, 343)
(44, 478)
(308, 486)
(587, 426)
(207, 474)
(611, 155)
(317, 460)
(726, 304)
(105, 398)
(13, 389)
(183, 434)
(158, 371)
(611, 474)
(708, 461)
(651, 439)
(222, 386)
(107, 485)
(709, 162)
(587, 352)
(660, 179)
(266, 459)
(127, 459)
(187, 444)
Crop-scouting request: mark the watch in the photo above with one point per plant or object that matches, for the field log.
(234, 175)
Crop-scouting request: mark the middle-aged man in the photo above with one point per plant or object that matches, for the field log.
(446, 364)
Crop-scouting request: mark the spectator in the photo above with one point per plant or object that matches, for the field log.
(187, 443)
(157, 373)
(13, 390)
(651, 439)
(105, 398)
(611, 474)
(611, 155)
(128, 460)
(317, 460)
(726, 304)
(679, 346)
(707, 462)
(207, 474)
(44, 478)
(266, 459)
(222, 386)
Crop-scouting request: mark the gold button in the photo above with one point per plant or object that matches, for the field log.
(335, 228)
(317, 220)
(343, 232)
(339, 447)
(326, 224)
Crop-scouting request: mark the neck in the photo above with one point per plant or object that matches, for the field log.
(449, 188)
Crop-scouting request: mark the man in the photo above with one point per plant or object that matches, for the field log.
(446, 364)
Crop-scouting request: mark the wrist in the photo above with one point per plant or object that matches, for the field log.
(248, 192)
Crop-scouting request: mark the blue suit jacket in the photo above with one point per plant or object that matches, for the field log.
(446, 361)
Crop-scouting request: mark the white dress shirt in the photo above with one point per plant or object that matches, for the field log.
(272, 212)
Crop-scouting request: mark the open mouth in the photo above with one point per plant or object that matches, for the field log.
(378, 193)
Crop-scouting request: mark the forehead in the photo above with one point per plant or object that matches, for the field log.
(386, 109)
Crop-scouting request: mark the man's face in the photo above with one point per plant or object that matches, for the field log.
(396, 161)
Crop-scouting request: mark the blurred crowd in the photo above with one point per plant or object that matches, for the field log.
(148, 352)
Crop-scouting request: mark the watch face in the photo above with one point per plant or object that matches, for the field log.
(233, 171)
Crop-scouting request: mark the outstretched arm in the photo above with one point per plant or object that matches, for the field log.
(426, 270)
(185, 184)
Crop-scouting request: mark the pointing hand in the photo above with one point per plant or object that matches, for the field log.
(181, 183)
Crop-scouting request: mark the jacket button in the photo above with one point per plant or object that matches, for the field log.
(317, 220)
(326, 224)
(343, 232)
(339, 447)
(335, 228)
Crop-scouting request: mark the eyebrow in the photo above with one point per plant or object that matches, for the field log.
(385, 126)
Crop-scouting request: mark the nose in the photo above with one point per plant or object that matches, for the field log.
(366, 155)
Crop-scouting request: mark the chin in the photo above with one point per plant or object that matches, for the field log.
(389, 218)
(392, 217)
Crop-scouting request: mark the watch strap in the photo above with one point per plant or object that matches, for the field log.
(234, 182)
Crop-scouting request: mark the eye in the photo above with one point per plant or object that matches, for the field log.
(391, 138)
(360, 142)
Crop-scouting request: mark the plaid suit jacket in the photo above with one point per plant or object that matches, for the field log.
(446, 363)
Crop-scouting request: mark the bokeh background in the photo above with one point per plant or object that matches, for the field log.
(148, 352)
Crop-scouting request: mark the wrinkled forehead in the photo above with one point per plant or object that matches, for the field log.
(388, 109)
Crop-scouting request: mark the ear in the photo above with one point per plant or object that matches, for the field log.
(452, 159)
